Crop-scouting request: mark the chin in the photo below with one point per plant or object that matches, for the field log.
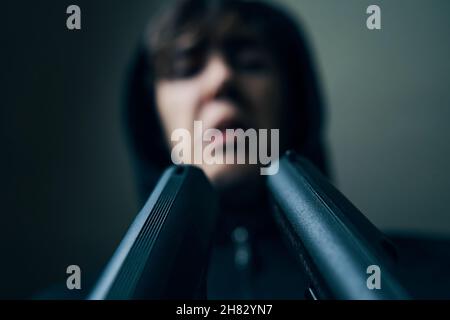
(225, 176)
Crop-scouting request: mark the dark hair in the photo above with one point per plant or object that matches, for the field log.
(281, 35)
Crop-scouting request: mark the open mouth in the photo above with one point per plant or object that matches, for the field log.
(230, 124)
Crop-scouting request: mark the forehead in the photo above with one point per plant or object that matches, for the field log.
(226, 32)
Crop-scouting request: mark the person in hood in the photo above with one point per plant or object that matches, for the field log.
(230, 64)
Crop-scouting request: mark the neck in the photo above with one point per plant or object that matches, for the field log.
(249, 208)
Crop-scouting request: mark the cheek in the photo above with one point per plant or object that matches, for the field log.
(176, 103)
(265, 95)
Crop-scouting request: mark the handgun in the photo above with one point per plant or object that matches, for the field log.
(344, 255)
(165, 252)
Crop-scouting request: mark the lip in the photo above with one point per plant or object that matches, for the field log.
(222, 115)
(229, 122)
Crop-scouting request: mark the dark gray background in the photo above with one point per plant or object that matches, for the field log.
(68, 192)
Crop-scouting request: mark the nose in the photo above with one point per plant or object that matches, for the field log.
(218, 75)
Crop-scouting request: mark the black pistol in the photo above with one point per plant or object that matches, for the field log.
(342, 252)
(165, 252)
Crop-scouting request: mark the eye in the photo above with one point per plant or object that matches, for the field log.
(250, 60)
(188, 61)
(186, 65)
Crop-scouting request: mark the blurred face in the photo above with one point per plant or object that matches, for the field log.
(233, 83)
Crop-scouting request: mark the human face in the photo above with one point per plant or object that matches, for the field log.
(227, 85)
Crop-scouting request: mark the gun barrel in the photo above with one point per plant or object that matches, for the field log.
(165, 252)
(334, 241)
